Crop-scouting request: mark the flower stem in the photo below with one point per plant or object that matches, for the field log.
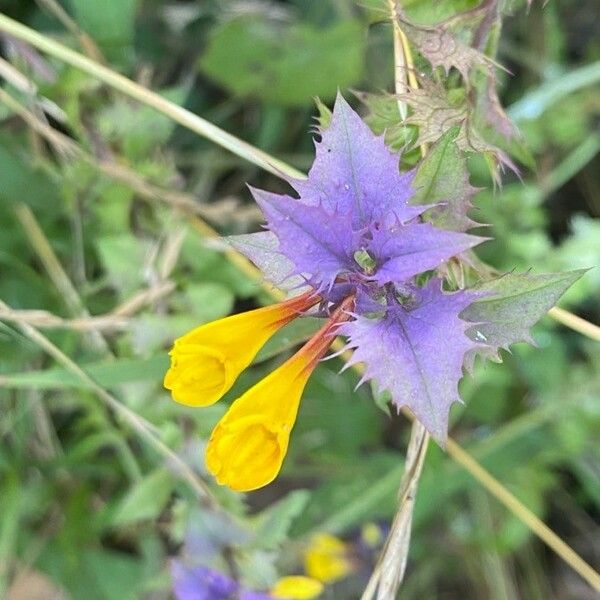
(391, 566)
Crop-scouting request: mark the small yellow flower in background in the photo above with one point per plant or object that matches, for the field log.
(206, 361)
(326, 558)
(371, 535)
(296, 587)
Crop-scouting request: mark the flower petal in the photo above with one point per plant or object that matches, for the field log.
(206, 361)
(319, 244)
(248, 445)
(327, 558)
(296, 587)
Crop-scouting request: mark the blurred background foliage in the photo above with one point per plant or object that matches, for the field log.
(88, 510)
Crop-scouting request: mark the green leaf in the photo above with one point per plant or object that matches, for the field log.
(442, 177)
(285, 64)
(273, 524)
(383, 117)
(123, 257)
(146, 500)
(138, 129)
(513, 304)
(107, 576)
(111, 24)
(324, 117)
(209, 301)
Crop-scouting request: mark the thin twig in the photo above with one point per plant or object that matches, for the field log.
(115, 320)
(46, 320)
(39, 242)
(218, 212)
(389, 570)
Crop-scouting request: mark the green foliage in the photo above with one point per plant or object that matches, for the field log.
(513, 303)
(110, 24)
(146, 500)
(86, 503)
(285, 64)
(443, 178)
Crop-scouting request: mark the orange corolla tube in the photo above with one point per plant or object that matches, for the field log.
(248, 445)
(206, 361)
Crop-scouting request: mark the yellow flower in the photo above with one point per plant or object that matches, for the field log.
(206, 361)
(326, 558)
(297, 587)
(247, 447)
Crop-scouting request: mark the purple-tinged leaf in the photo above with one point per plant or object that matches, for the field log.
(404, 251)
(319, 244)
(443, 179)
(493, 112)
(434, 113)
(511, 305)
(262, 249)
(417, 354)
(355, 173)
(443, 49)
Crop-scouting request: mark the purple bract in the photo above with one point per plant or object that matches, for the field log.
(202, 583)
(353, 231)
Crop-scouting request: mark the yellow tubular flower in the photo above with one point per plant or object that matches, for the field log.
(326, 558)
(206, 361)
(297, 587)
(248, 445)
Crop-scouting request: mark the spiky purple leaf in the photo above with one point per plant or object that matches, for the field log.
(417, 354)
(404, 251)
(355, 173)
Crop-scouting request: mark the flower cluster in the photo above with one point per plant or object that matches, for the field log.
(358, 253)
(202, 583)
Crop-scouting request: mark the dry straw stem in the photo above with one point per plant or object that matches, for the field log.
(138, 92)
(391, 565)
(575, 323)
(389, 570)
(273, 165)
(142, 427)
(186, 203)
(87, 44)
(40, 244)
(400, 66)
(117, 319)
